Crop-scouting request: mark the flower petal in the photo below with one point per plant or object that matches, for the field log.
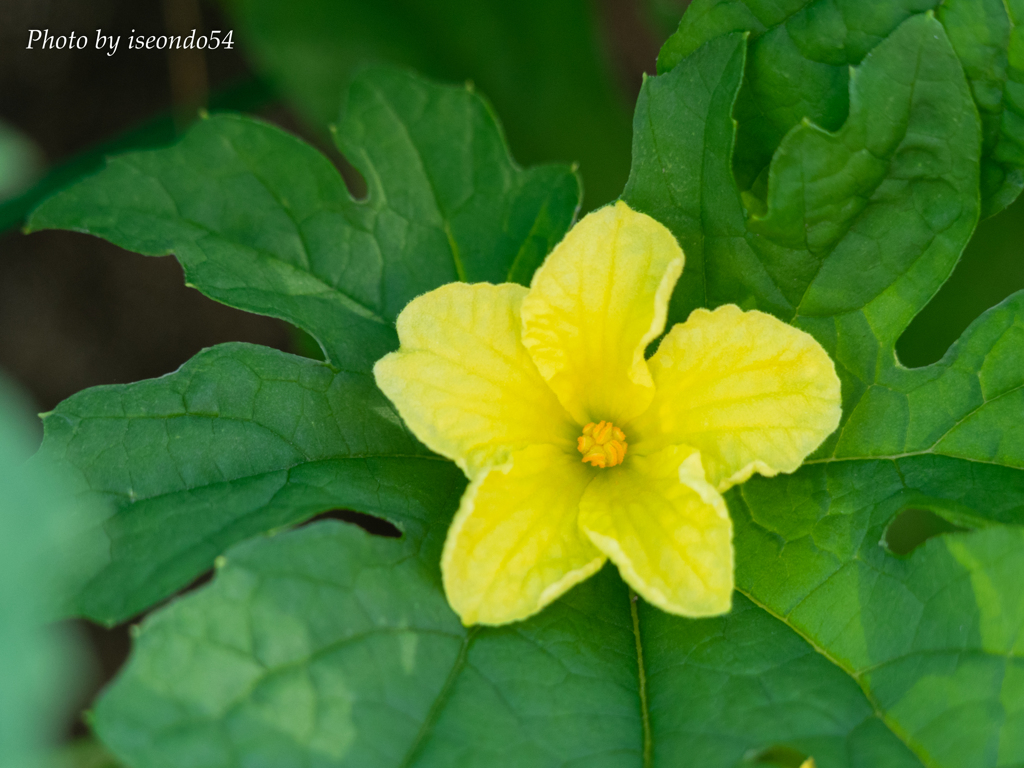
(463, 381)
(595, 304)
(514, 545)
(750, 392)
(666, 529)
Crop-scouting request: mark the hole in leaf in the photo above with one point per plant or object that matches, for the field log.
(109, 646)
(199, 581)
(305, 345)
(913, 527)
(375, 526)
(990, 269)
(780, 756)
(107, 649)
(354, 180)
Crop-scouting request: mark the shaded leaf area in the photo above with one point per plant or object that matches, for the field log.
(263, 222)
(329, 647)
(798, 67)
(84, 753)
(860, 228)
(543, 64)
(241, 440)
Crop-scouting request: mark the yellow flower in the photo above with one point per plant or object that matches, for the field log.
(515, 384)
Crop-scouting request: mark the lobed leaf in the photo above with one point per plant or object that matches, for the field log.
(325, 646)
(847, 213)
(263, 222)
(241, 440)
(800, 57)
(858, 229)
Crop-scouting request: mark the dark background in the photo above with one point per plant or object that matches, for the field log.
(76, 311)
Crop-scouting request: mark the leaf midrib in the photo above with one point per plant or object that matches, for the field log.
(648, 747)
(442, 215)
(441, 700)
(896, 456)
(131, 501)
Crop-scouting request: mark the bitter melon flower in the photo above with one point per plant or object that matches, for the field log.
(578, 449)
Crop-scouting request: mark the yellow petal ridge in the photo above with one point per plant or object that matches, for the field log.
(463, 382)
(514, 545)
(750, 392)
(666, 528)
(594, 305)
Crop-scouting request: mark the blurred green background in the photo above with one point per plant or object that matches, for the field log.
(562, 76)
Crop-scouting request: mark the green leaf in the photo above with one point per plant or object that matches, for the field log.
(988, 38)
(246, 95)
(799, 62)
(543, 64)
(263, 222)
(241, 440)
(326, 646)
(738, 689)
(858, 230)
(932, 639)
(859, 223)
(331, 646)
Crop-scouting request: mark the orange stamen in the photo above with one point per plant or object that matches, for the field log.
(602, 444)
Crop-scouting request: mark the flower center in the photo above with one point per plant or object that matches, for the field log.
(602, 444)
